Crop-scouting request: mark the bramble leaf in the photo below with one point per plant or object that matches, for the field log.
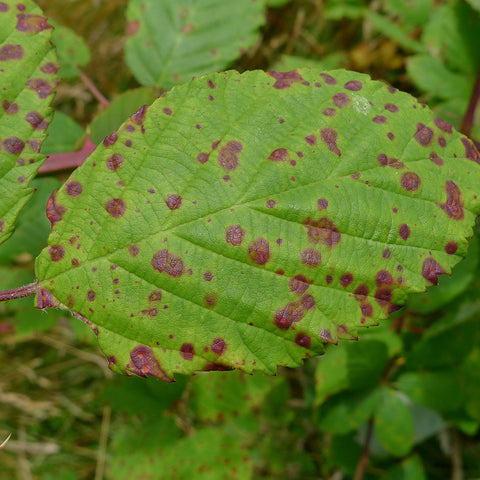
(27, 76)
(170, 42)
(244, 220)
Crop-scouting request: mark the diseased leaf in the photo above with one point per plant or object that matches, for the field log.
(244, 220)
(27, 76)
(170, 42)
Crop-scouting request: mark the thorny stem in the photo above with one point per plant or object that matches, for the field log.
(467, 122)
(19, 292)
(67, 160)
(95, 91)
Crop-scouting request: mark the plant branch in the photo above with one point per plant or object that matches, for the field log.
(95, 91)
(363, 462)
(20, 292)
(68, 160)
(468, 119)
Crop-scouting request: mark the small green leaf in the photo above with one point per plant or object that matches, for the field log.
(245, 220)
(119, 109)
(409, 469)
(394, 423)
(64, 134)
(27, 75)
(72, 51)
(170, 42)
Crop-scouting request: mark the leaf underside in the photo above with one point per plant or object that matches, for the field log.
(170, 42)
(27, 76)
(245, 220)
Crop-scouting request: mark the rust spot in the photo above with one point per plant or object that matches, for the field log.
(453, 206)
(211, 299)
(443, 125)
(234, 235)
(168, 263)
(36, 120)
(132, 27)
(328, 79)
(155, 296)
(151, 312)
(203, 157)
(322, 203)
(353, 85)
(285, 79)
(91, 295)
(404, 231)
(303, 340)
(259, 251)
(45, 299)
(451, 247)
(284, 317)
(410, 181)
(424, 135)
(110, 140)
(208, 276)
(361, 292)
(367, 309)
(54, 212)
(340, 100)
(279, 155)
(308, 302)
(228, 156)
(187, 351)
(14, 145)
(391, 107)
(139, 116)
(216, 367)
(383, 295)
(380, 119)
(145, 363)
(34, 145)
(271, 204)
(387, 253)
(10, 108)
(219, 346)
(322, 230)
(311, 139)
(133, 250)
(4, 7)
(346, 279)
(11, 52)
(56, 253)
(383, 278)
(73, 189)
(40, 86)
(329, 137)
(436, 159)
(431, 270)
(299, 284)
(49, 68)
(167, 111)
(115, 207)
(311, 258)
(470, 151)
(329, 112)
(31, 23)
(174, 202)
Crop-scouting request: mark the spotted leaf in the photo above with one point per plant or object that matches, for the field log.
(170, 42)
(27, 77)
(242, 221)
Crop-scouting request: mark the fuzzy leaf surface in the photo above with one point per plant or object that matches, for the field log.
(244, 220)
(170, 42)
(27, 76)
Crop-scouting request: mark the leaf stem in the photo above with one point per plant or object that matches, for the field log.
(363, 462)
(19, 292)
(95, 91)
(467, 122)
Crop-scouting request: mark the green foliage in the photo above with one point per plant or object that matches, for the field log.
(27, 76)
(181, 243)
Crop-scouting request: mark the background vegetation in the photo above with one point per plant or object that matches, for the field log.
(405, 400)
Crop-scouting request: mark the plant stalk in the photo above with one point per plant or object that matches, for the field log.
(363, 462)
(468, 119)
(19, 292)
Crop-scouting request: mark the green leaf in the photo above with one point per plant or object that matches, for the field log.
(120, 108)
(27, 76)
(394, 423)
(474, 4)
(64, 133)
(206, 454)
(244, 220)
(409, 469)
(72, 51)
(170, 42)
(350, 366)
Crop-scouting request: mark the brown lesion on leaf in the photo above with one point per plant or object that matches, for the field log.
(116, 207)
(172, 265)
(228, 156)
(40, 86)
(431, 269)
(11, 52)
(259, 251)
(279, 155)
(210, 299)
(453, 205)
(329, 137)
(303, 340)
(423, 135)
(322, 231)
(234, 235)
(143, 363)
(54, 212)
(31, 23)
(219, 346)
(285, 79)
(187, 351)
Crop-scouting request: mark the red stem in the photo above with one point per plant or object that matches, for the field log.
(19, 292)
(96, 92)
(468, 119)
(363, 462)
(68, 160)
